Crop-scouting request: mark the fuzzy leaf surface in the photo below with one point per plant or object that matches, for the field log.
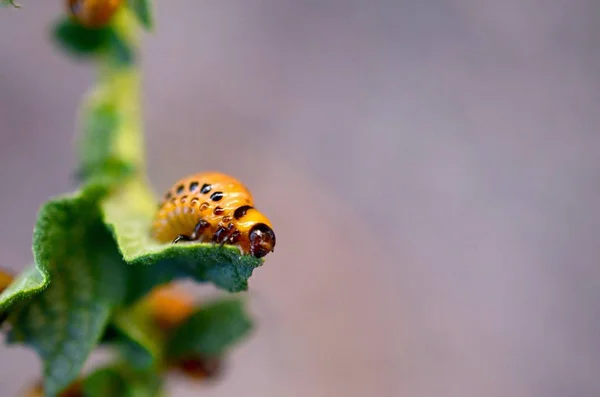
(211, 331)
(122, 381)
(64, 322)
(137, 337)
(143, 11)
(30, 282)
(128, 212)
(78, 40)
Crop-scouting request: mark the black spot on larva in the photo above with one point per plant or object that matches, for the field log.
(183, 199)
(218, 211)
(180, 189)
(194, 186)
(205, 188)
(216, 196)
(241, 211)
(168, 196)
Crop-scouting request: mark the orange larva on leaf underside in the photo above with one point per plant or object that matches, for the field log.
(211, 206)
(93, 13)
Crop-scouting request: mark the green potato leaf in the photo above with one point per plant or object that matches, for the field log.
(93, 253)
(29, 283)
(143, 11)
(136, 336)
(105, 382)
(128, 213)
(64, 322)
(78, 40)
(211, 330)
(83, 42)
(120, 380)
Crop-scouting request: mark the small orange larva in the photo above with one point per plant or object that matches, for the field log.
(211, 206)
(5, 279)
(93, 13)
(170, 306)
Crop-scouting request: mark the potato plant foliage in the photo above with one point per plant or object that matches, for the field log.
(94, 263)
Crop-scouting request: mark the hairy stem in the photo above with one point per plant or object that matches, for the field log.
(111, 139)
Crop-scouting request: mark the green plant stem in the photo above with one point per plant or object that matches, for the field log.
(117, 94)
(127, 79)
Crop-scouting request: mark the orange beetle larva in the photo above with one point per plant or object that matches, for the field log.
(211, 206)
(93, 13)
(170, 306)
(5, 279)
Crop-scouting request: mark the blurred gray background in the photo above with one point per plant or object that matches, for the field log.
(431, 168)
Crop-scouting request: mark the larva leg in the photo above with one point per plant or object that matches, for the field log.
(200, 227)
(226, 234)
(181, 237)
(220, 235)
(234, 237)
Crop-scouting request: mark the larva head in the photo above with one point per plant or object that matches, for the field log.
(257, 230)
(262, 240)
